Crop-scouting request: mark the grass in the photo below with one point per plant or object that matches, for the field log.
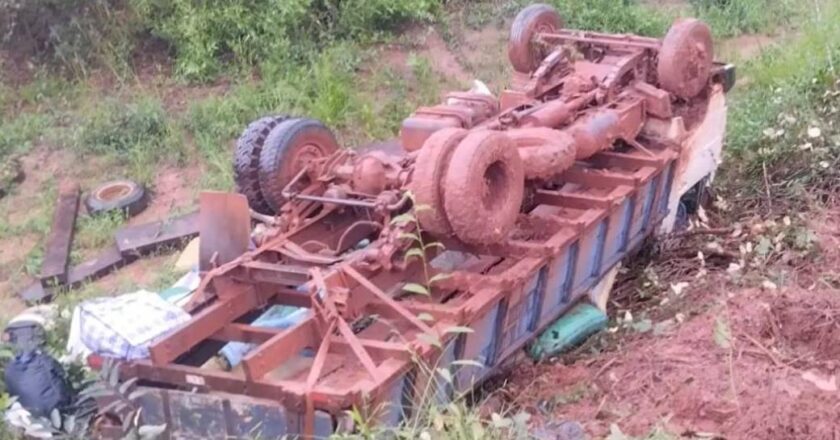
(780, 131)
(734, 17)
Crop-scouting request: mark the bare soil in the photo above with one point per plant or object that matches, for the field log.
(772, 375)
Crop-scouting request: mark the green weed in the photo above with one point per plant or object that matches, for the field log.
(118, 128)
(612, 16)
(733, 17)
(784, 80)
(137, 135)
(251, 32)
(71, 34)
(96, 231)
(18, 134)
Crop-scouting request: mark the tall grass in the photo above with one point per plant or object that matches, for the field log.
(733, 17)
(785, 79)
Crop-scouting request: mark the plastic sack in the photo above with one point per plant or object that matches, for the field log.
(38, 381)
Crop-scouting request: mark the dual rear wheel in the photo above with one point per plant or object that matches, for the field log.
(271, 152)
(469, 184)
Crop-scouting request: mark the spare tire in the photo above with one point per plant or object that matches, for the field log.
(125, 195)
(686, 58)
(484, 187)
(427, 178)
(524, 55)
(246, 161)
(287, 150)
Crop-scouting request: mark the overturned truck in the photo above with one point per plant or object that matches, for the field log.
(449, 249)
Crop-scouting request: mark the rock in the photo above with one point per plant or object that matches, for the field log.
(555, 430)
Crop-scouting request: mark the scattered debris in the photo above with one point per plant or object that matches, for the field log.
(571, 329)
(126, 196)
(57, 253)
(135, 241)
(124, 327)
(131, 243)
(225, 228)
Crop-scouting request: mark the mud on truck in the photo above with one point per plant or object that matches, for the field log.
(450, 248)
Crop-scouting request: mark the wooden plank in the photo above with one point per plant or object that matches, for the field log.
(106, 262)
(202, 326)
(225, 228)
(57, 253)
(148, 237)
(280, 348)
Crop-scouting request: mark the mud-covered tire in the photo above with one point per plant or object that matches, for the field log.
(246, 161)
(483, 187)
(686, 58)
(285, 152)
(426, 180)
(524, 55)
(117, 195)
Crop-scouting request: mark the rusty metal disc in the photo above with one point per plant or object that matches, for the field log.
(429, 169)
(524, 53)
(685, 58)
(483, 187)
(288, 148)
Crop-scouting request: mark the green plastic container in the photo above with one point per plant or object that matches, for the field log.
(570, 330)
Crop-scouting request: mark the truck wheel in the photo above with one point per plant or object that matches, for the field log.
(289, 147)
(125, 195)
(246, 161)
(484, 187)
(526, 55)
(429, 169)
(685, 58)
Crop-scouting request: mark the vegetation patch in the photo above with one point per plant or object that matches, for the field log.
(733, 17)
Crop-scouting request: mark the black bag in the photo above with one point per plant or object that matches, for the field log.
(38, 381)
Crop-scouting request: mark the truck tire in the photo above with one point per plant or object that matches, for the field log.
(524, 54)
(125, 195)
(287, 149)
(426, 181)
(685, 59)
(246, 161)
(484, 187)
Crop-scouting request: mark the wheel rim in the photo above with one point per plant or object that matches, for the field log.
(114, 191)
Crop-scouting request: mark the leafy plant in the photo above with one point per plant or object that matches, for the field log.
(612, 16)
(250, 32)
(420, 248)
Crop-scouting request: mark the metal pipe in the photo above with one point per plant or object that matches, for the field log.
(555, 113)
(603, 39)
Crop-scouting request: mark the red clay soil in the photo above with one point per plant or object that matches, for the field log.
(778, 379)
(686, 382)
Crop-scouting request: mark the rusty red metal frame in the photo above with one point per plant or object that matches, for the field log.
(341, 252)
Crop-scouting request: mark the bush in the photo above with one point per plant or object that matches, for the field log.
(17, 134)
(252, 31)
(74, 33)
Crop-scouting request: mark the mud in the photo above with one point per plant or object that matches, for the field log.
(684, 380)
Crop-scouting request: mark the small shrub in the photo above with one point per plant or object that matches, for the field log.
(119, 128)
(18, 134)
(74, 33)
(251, 32)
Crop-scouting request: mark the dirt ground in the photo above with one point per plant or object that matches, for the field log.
(752, 363)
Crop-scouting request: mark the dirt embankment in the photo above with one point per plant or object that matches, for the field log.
(756, 363)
